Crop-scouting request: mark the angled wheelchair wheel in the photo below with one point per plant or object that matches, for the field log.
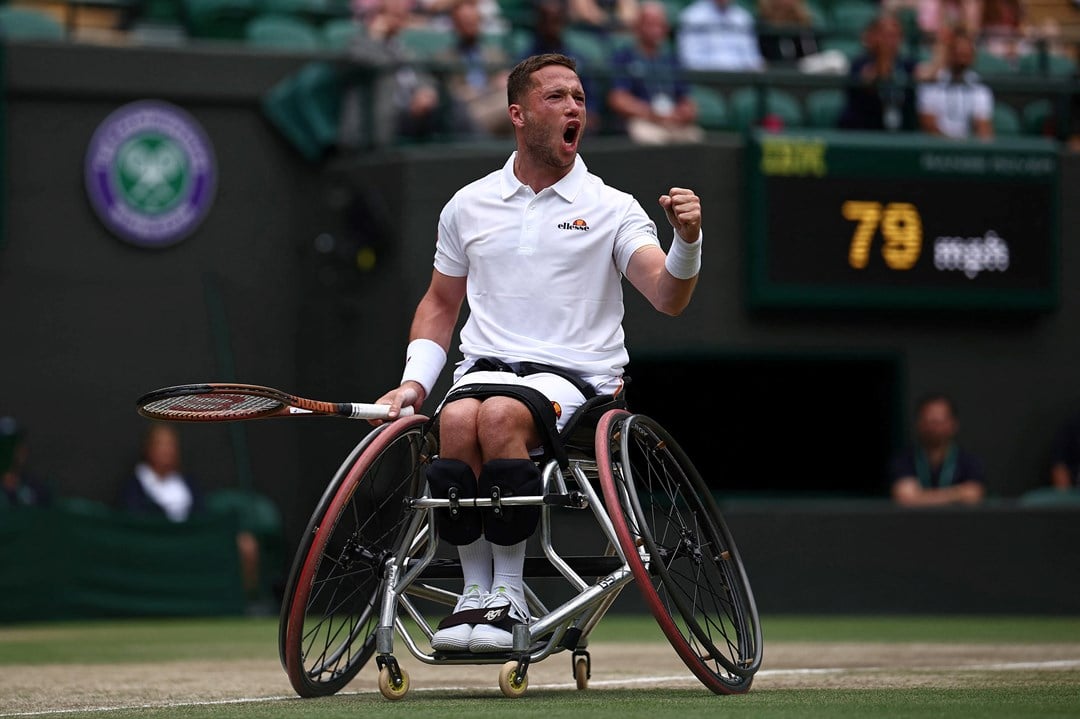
(331, 604)
(680, 551)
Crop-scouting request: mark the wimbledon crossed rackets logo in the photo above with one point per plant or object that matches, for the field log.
(150, 173)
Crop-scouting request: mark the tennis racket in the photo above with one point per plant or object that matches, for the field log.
(220, 402)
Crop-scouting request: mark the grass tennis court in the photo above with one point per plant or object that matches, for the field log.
(814, 667)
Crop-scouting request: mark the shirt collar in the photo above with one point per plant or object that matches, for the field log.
(566, 188)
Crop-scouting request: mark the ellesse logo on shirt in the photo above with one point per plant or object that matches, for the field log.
(577, 224)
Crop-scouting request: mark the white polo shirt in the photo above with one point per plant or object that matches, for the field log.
(544, 270)
(955, 103)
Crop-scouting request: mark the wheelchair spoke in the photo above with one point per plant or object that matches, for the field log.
(678, 545)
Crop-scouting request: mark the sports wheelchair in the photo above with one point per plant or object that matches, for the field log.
(368, 559)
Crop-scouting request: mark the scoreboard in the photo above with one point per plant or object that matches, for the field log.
(872, 220)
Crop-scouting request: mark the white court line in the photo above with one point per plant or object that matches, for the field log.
(1003, 666)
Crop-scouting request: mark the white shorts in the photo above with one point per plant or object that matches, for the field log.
(564, 396)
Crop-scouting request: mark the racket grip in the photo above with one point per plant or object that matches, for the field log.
(361, 410)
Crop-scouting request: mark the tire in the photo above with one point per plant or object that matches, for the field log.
(331, 602)
(680, 551)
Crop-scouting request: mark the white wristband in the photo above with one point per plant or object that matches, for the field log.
(683, 258)
(424, 361)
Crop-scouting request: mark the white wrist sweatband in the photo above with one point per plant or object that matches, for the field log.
(684, 258)
(424, 361)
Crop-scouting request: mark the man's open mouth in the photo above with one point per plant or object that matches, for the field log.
(570, 134)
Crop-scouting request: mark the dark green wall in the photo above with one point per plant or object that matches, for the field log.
(89, 322)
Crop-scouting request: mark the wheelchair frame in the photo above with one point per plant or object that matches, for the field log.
(370, 549)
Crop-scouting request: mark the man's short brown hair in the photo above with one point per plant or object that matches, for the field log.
(520, 79)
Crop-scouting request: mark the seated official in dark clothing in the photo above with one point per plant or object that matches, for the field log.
(935, 470)
(881, 84)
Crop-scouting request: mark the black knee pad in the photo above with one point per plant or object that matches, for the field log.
(448, 478)
(514, 478)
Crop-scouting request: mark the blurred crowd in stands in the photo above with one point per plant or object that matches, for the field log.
(669, 70)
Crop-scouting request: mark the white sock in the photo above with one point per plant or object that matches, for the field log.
(509, 565)
(476, 564)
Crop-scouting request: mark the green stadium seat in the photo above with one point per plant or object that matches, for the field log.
(29, 24)
(744, 107)
(590, 46)
(218, 19)
(823, 107)
(160, 11)
(519, 13)
(318, 94)
(1047, 64)
(426, 42)
(1006, 121)
(990, 65)
(282, 7)
(849, 46)
(712, 108)
(282, 32)
(339, 33)
(281, 106)
(850, 17)
(1036, 116)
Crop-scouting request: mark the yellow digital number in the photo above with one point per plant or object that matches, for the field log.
(868, 215)
(901, 228)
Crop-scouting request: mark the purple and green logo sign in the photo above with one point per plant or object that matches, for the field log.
(150, 173)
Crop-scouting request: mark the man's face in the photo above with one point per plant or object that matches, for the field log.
(962, 54)
(466, 19)
(652, 28)
(886, 38)
(936, 424)
(163, 452)
(553, 115)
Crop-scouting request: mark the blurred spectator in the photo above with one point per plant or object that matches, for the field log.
(935, 470)
(648, 92)
(934, 16)
(22, 487)
(957, 103)
(549, 36)
(604, 15)
(718, 35)
(491, 18)
(1065, 455)
(478, 93)
(548, 29)
(406, 100)
(881, 84)
(785, 30)
(1002, 29)
(159, 487)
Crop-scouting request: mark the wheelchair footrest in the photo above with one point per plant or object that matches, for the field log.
(534, 567)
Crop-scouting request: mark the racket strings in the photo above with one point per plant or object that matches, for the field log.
(216, 405)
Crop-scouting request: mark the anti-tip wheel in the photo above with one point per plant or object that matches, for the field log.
(581, 673)
(509, 686)
(386, 685)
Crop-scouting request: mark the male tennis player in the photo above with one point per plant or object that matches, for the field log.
(539, 249)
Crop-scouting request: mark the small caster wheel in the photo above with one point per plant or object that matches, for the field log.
(581, 673)
(507, 683)
(386, 685)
